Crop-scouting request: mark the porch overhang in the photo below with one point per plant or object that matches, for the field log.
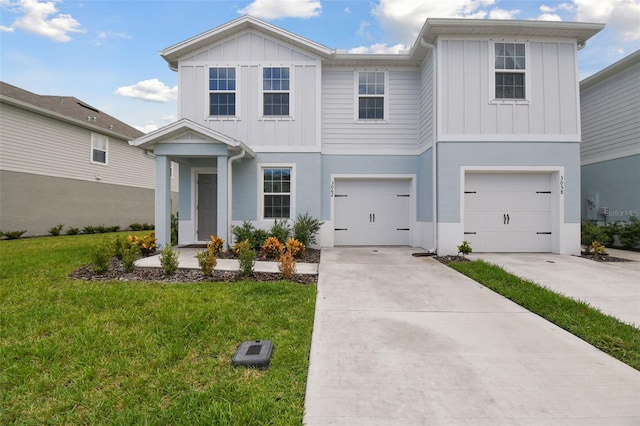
(194, 140)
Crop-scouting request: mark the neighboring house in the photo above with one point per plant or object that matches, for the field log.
(473, 134)
(610, 149)
(63, 161)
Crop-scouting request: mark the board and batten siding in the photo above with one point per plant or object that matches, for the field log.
(249, 53)
(611, 117)
(342, 133)
(426, 96)
(36, 144)
(467, 110)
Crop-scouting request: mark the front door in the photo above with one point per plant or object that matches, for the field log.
(207, 206)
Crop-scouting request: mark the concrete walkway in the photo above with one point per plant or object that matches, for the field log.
(187, 260)
(612, 287)
(400, 340)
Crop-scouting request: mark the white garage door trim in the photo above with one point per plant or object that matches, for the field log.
(410, 220)
(556, 201)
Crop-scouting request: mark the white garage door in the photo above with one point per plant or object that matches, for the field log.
(372, 211)
(508, 212)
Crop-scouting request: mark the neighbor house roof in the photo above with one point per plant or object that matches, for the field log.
(69, 109)
(622, 64)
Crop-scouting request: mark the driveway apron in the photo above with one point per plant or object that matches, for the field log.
(402, 340)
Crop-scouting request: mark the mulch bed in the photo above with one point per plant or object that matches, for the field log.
(448, 259)
(604, 258)
(116, 273)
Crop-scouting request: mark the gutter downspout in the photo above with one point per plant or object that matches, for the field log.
(435, 146)
(230, 192)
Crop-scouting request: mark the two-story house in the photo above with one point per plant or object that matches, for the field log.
(63, 161)
(473, 134)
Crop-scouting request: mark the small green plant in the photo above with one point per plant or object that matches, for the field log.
(13, 235)
(136, 227)
(73, 231)
(169, 260)
(305, 229)
(55, 231)
(88, 230)
(147, 227)
(272, 248)
(241, 246)
(101, 256)
(174, 229)
(114, 228)
(287, 265)
(208, 259)
(247, 231)
(281, 230)
(629, 234)
(216, 244)
(120, 244)
(464, 248)
(129, 255)
(597, 249)
(590, 232)
(295, 247)
(146, 243)
(247, 261)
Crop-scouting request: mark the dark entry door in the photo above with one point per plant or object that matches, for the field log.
(207, 206)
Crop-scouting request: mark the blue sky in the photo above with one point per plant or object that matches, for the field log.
(106, 52)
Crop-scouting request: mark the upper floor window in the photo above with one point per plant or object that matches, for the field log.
(277, 184)
(276, 88)
(222, 92)
(371, 95)
(99, 148)
(510, 71)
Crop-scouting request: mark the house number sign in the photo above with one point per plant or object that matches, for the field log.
(561, 185)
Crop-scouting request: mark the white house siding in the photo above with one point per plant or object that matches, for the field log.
(341, 133)
(248, 53)
(426, 99)
(611, 117)
(40, 145)
(467, 111)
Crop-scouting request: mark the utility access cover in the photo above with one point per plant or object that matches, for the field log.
(253, 353)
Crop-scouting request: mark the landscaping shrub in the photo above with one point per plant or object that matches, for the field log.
(13, 235)
(281, 230)
(597, 249)
(241, 246)
(174, 229)
(100, 256)
(129, 255)
(287, 265)
(100, 229)
(169, 260)
(629, 234)
(147, 227)
(272, 248)
(247, 231)
(55, 231)
(591, 232)
(295, 247)
(208, 259)
(464, 248)
(216, 244)
(305, 229)
(246, 260)
(114, 228)
(120, 244)
(146, 243)
(136, 227)
(88, 230)
(73, 231)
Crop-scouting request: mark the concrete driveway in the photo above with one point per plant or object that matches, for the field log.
(614, 288)
(400, 340)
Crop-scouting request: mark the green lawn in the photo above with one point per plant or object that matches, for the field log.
(618, 339)
(75, 352)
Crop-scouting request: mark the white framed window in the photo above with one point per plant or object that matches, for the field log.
(222, 92)
(509, 80)
(99, 149)
(371, 95)
(276, 92)
(277, 184)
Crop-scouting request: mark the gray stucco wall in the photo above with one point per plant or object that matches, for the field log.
(37, 203)
(452, 156)
(617, 185)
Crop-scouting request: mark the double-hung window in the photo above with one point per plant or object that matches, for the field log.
(277, 191)
(371, 95)
(222, 92)
(99, 148)
(510, 71)
(276, 91)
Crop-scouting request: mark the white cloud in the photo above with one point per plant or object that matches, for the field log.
(622, 16)
(378, 48)
(42, 18)
(402, 19)
(274, 9)
(503, 14)
(362, 29)
(549, 17)
(151, 125)
(104, 36)
(546, 9)
(7, 29)
(152, 90)
(347, 10)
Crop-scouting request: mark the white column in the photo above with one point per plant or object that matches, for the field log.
(163, 201)
(223, 200)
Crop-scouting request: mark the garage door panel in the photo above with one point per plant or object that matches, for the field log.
(508, 212)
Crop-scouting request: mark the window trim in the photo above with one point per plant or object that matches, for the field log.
(94, 138)
(526, 72)
(385, 97)
(262, 91)
(292, 189)
(211, 117)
